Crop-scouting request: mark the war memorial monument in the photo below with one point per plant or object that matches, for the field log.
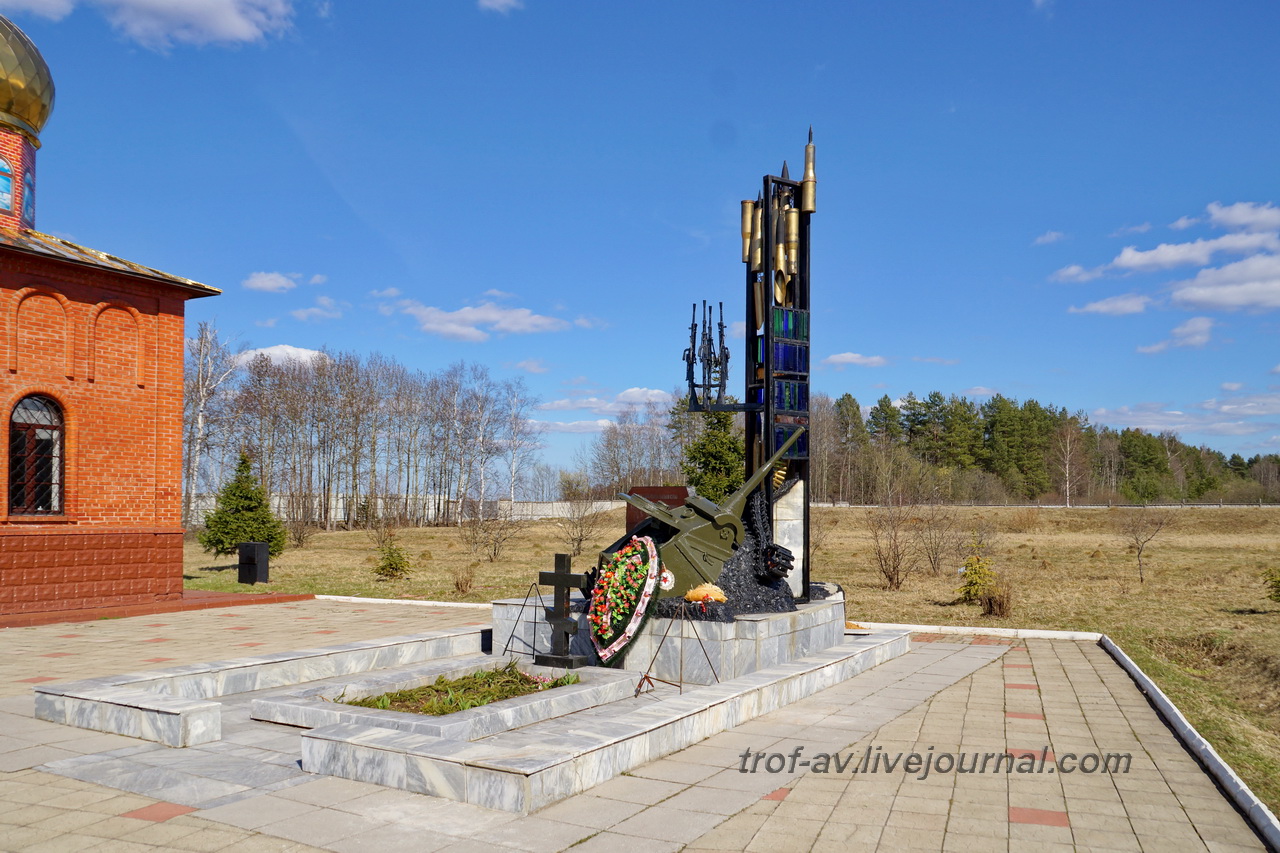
(698, 620)
(701, 618)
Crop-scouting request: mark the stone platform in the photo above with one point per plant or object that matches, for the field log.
(176, 706)
(683, 651)
(518, 755)
(528, 768)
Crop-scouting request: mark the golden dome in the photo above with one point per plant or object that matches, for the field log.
(26, 86)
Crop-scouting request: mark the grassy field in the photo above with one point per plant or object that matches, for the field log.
(1201, 625)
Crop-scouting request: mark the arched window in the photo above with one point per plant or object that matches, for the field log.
(35, 457)
(6, 185)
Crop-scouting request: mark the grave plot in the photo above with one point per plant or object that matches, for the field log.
(526, 768)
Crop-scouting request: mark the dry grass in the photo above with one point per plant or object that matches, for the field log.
(1201, 625)
(341, 563)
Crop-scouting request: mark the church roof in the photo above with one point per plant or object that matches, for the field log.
(26, 86)
(46, 245)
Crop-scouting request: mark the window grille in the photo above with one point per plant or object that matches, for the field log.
(35, 457)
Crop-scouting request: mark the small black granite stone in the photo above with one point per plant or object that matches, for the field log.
(696, 611)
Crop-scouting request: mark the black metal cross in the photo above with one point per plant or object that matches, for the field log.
(563, 623)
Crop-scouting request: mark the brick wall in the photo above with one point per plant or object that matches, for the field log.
(108, 348)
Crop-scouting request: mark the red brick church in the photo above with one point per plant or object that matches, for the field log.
(91, 354)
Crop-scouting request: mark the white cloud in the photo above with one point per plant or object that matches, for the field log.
(55, 10)
(269, 282)
(1245, 215)
(1254, 231)
(388, 293)
(494, 293)
(577, 427)
(267, 323)
(503, 6)
(632, 398)
(640, 396)
(1132, 229)
(324, 309)
(1115, 306)
(979, 391)
(159, 23)
(1252, 283)
(1048, 237)
(1155, 418)
(1077, 273)
(1196, 253)
(935, 360)
(1275, 369)
(318, 278)
(1249, 405)
(280, 354)
(465, 324)
(1232, 386)
(532, 365)
(842, 359)
(738, 329)
(1196, 332)
(1193, 333)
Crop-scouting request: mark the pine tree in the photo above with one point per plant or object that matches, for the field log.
(242, 515)
(849, 423)
(713, 462)
(884, 423)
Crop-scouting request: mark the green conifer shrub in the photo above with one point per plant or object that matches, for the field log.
(1271, 577)
(242, 515)
(713, 462)
(978, 575)
(393, 562)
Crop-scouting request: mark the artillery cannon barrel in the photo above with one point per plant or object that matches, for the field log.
(737, 501)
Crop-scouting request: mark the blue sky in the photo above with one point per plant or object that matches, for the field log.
(1066, 201)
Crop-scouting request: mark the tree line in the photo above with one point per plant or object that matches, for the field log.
(953, 449)
(339, 438)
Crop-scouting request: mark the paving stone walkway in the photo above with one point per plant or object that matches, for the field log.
(1040, 703)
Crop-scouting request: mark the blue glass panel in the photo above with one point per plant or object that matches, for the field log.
(799, 450)
(790, 396)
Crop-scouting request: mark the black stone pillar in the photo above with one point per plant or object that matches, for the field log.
(254, 562)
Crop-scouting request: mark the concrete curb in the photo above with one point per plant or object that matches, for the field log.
(1016, 633)
(1255, 811)
(357, 599)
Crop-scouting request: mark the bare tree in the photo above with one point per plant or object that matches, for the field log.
(340, 439)
(543, 483)
(824, 444)
(581, 523)
(1069, 456)
(1139, 527)
(822, 523)
(211, 371)
(893, 546)
(521, 437)
(938, 535)
(489, 535)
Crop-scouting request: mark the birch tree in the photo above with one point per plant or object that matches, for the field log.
(211, 371)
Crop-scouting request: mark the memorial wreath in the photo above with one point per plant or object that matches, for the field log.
(623, 595)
